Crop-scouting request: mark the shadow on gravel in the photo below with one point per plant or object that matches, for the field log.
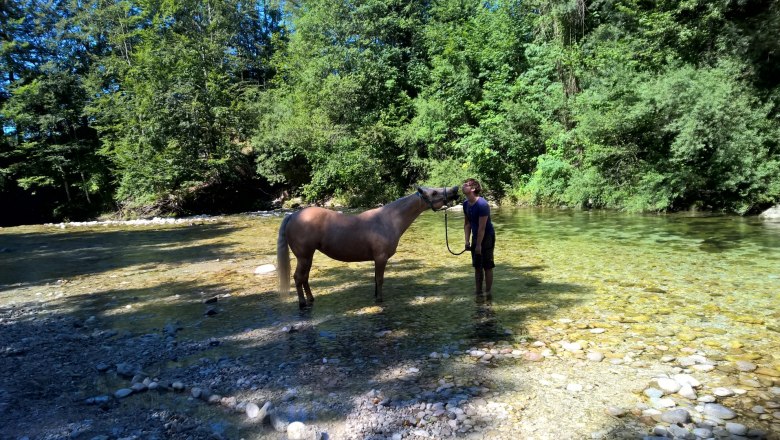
(40, 258)
(318, 365)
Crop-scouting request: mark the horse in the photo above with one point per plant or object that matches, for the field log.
(370, 236)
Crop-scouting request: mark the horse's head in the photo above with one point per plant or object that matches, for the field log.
(437, 198)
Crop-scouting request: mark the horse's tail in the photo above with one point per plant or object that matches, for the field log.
(283, 257)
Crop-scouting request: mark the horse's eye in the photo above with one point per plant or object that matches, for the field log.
(435, 193)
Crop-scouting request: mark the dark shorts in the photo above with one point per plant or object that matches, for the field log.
(486, 259)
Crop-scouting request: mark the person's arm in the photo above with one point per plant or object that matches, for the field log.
(480, 234)
(467, 229)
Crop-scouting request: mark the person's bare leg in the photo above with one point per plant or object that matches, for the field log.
(488, 281)
(478, 275)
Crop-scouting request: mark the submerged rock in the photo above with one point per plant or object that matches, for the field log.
(265, 269)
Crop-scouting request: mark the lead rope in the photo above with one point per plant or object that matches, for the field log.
(446, 235)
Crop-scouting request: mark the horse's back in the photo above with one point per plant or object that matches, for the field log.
(339, 236)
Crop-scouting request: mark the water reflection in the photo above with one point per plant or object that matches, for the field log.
(485, 324)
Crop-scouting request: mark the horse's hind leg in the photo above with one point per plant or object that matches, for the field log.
(379, 279)
(302, 279)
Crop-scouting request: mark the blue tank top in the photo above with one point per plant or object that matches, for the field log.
(480, 208)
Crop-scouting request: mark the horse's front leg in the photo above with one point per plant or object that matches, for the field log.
(302, 279)
(379, 278)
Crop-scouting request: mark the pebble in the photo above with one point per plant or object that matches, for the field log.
(736, 428)
(125, 369)
(687, 392)
(722, 392)
(679, 432)
(278, 422)
(252, 410)
(122, 393)
(669, 386)
(686, 379)
(703, 367)
(297, 431)
(678, 415)
(533, 356)
(265, 269)
(595, 356)
(745, 366)
(719, 411)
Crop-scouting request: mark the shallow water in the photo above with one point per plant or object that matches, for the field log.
(676, 281)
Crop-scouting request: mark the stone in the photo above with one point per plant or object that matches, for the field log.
(252, 410)
(736, 428)
(265, 269)
(771, 372)
(745, 366)
(669, 386)
(297, 431)
(533, 356)
(718, 411)
(126, 370)
(678, 415)
(687, 392)
(679, 432)
(684, 379)
(278, 422)
(122, 393)
(595, 356)
(722, 392)
(772, 213)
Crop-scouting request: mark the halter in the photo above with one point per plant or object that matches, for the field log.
(425, 199)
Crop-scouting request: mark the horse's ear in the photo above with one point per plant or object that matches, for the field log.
(419, 189)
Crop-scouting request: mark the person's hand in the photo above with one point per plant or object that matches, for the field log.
(478, 249)
(468, 246)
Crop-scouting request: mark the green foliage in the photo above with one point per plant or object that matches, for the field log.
(626, 104)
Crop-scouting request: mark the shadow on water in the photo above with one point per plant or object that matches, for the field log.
(40, 258)
(258, 345)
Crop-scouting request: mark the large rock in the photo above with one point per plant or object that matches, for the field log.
(772, 213)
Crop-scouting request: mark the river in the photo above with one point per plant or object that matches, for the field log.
(659, 294)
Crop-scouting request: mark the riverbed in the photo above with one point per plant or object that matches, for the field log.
(600, 325)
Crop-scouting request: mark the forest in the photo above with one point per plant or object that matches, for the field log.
(136, 108)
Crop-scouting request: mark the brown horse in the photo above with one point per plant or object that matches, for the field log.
(370, 236)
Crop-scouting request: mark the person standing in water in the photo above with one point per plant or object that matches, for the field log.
(480, 235)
